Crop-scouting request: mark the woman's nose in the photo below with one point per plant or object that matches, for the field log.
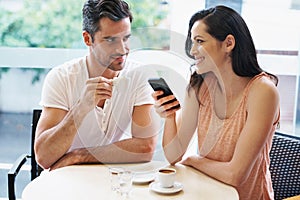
(193, 50)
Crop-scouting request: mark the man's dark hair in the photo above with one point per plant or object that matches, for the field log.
(94, 10)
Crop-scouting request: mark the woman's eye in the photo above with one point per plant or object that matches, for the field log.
(198, 41)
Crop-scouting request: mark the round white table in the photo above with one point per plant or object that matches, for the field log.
(93, 182)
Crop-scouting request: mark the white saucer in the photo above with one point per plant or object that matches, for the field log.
(143, 178)
(155, 186)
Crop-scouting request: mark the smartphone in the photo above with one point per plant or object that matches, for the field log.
(160, 84)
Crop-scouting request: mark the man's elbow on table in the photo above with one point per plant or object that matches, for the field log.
(42, 160)
(147, 149)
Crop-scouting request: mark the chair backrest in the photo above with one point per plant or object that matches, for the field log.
(35, 168)
(285, 165)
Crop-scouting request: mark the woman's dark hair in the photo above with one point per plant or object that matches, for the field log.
(94, 10)
(220, 22)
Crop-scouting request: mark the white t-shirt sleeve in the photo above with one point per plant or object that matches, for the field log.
(54, 93)
(143, 93)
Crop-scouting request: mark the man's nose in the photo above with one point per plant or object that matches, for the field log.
(122, 48)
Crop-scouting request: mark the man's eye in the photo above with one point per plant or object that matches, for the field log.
(109, 39)
(126, 38)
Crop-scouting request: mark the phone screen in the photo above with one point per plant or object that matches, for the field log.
(160, 84)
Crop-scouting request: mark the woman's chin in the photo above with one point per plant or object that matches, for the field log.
(201, 70)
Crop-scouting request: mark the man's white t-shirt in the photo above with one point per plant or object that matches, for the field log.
(65, 83)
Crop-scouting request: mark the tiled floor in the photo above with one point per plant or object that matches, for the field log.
(14, 140)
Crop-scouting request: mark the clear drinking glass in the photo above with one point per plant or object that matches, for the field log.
(114, 177)
(125, 180)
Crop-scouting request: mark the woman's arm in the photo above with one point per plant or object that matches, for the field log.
(263, 111)
(178, 133)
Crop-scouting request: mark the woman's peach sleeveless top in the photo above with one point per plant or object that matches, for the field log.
(217, 139)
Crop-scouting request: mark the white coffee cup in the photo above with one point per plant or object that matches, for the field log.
(166, 177)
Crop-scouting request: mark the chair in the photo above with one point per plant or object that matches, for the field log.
(35, 168)
(285, 165)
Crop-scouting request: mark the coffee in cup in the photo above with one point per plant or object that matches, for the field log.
(166, 177)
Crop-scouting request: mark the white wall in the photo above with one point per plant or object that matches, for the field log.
(17, 93)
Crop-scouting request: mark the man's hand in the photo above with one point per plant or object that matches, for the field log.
(96, 89)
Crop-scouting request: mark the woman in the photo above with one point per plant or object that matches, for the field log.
(231, 103)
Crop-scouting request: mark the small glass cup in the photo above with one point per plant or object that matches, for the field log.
(125, 180)
(114, 177)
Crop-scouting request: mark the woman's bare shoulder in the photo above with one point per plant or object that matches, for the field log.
(263, 91)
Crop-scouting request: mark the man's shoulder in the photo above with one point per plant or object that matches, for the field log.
(74, 65)
(131, 64)
(138, 68)
(137, 74)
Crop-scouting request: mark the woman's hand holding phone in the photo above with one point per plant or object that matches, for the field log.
(166, 103)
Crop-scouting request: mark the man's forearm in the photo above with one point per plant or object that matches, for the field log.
(125, 151)
(53, 143)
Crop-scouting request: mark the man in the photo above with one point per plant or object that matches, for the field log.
(85, 112)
